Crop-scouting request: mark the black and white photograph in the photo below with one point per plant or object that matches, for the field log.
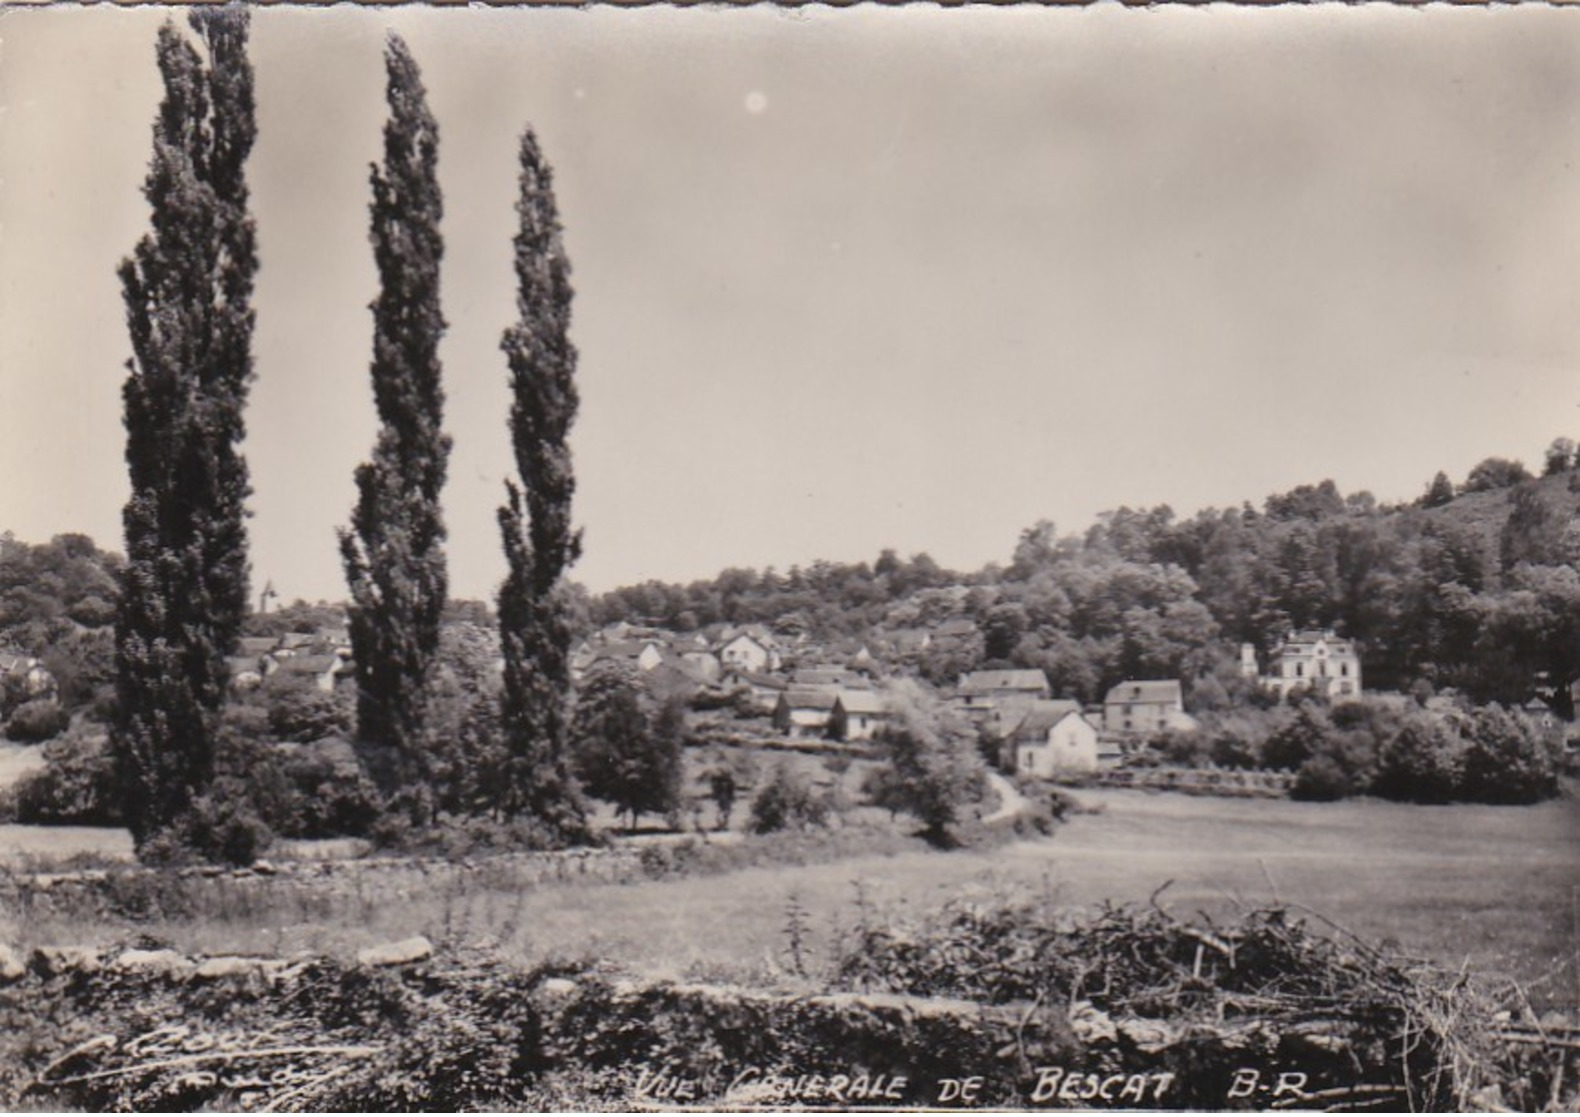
(762, 558)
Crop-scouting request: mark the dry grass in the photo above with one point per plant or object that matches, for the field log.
(1494, 889)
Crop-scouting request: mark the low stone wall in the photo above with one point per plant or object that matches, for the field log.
(404, 1028)
(1200, 781)
(374, 878)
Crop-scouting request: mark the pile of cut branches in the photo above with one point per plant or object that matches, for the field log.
(1264, 1010)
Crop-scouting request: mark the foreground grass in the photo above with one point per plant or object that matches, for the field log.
(1494, 889)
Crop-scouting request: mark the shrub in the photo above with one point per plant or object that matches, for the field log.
(787, 799)
(1322, 779)
(225, 826)
(1420, 764)
(76, 787)
(1508, 759)
(39, 719)
(299, 711)
(333, 796)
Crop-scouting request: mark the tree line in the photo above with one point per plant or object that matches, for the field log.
(1476, 592)
(183, 590)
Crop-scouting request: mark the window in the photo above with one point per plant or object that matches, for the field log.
(1300, 670)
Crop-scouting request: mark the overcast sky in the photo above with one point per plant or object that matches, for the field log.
(845, 280)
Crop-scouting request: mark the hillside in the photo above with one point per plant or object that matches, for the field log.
(1471, 588)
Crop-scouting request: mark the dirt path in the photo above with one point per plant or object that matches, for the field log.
(1010, 801)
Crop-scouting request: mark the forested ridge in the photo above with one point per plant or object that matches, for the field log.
(1470, 586)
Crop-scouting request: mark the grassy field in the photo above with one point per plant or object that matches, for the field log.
(1495, 889)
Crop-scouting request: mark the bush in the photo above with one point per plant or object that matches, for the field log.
(1322, 779)
(299, 711)
(76, 787)
(787, 799)
(39, 719)
(1508, 759)
(333, 797)
(225, 826)
(1420, 764)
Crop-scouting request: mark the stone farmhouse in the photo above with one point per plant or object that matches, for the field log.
(1320, 661)
(1139, 707)
(995, 699)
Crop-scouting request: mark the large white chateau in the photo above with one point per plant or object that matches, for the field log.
(1320, 661)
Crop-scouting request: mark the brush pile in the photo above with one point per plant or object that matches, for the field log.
(1261, 1013)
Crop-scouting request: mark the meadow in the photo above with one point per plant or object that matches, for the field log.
(1495, 890)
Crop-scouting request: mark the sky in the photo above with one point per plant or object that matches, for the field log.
(846, 279)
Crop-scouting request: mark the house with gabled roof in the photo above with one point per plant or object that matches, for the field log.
(804, 712)
(765, 689)
(321, 670)
(905, 641)
(857, 715)
(995, 698)
(1318, 660)
(750, 650)
(836, 677)
(1053, 738)
(1141, 706)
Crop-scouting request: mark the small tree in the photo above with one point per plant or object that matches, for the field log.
(393, 553)
(932, 767)
(1495, 473)
(1560, 457)
(1439, 492)
(624, 755)
(787, 799)
(1533, 533)
(722, 790)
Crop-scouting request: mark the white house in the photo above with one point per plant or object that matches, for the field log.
(320, 670)
(857, 715)
(749, 653)
(1054, 739)
(804, 712)
(1322, 662)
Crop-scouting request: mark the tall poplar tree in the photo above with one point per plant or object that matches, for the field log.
(393, 552)
(535, 520)
(188, 291)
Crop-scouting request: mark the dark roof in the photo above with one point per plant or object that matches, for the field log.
(956, 626)
(1145, 690)
(860, 702)
(1043, 716)
(1308, 636)
(809, 698)
(827, 676)
(757, 678)
(982, 682)
(309, 664)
